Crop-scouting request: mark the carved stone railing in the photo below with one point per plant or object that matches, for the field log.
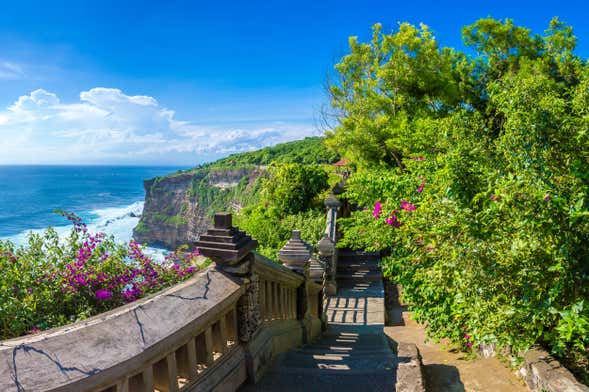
(327, 245)
(167, 341)
(215, 331)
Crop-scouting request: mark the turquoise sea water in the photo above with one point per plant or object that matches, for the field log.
(108, 198)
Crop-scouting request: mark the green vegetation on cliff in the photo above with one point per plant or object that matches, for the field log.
(310, 150)
(276, 183)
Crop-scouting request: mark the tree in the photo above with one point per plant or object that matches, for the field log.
(480, 167)
(292, 188)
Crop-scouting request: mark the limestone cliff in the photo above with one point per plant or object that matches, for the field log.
(178, 208)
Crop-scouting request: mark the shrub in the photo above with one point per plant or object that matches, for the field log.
(474, 179)
(51, 281)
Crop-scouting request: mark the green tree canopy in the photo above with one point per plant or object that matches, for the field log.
(292, 188)
(480, 163)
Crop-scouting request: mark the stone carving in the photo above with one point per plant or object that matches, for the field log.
(248, 307)
(302, 301)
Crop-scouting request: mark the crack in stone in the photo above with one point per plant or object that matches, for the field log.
(203, 296)
(139, 323)
(63, 369)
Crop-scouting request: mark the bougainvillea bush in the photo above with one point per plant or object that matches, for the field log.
(473, 180)
(51, 281)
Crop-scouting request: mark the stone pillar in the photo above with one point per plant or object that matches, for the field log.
(296, 255)
(332, 204)
(230, 249)
(327, 256)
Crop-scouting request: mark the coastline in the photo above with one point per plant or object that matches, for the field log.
(116, 221)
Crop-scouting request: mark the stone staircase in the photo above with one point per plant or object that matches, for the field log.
(358, 266)
(354, 354)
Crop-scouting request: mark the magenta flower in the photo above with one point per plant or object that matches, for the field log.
(467, 337)
(494, 197)
(469, 343)
(102, 294)
(406, 206)
(33, 330)
(377, 209)
(393, 220)
(547, 197)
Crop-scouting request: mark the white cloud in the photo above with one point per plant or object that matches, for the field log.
(108, 126)
(10, 70)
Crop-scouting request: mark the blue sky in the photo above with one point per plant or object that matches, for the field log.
(181, 82)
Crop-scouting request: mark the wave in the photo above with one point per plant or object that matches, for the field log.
(116, 221)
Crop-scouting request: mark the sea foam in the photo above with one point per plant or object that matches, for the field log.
(116, 221)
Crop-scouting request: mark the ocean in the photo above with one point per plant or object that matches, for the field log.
(108, 198)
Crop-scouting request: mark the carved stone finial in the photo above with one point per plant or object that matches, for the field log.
(332, 201)
(223, 220)
(326, 246)
(296, 253)
(225, 244)
(338, 189)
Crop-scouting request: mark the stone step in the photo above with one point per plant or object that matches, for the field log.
(357, 270)
(358, 362)
(358, 266)
(351, 338)
(362, 259)
(358, 289)
(353, 261)
(364, 276)
(306, 380)
(339, 350)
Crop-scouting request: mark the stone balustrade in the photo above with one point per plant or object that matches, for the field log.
(326, 246)
(217, 330)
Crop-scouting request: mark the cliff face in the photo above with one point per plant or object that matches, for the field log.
(178, 208)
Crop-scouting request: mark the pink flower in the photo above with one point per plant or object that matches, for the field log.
(467, 337)
(406, 206)
(393, 220)
(377, 209)
(547, 197)
(418, 158)
(494, 197)
(103, 294)
(429, 248)
(33, 330)
(469, 343)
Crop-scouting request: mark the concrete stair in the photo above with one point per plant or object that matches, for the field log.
(354, 354)
(358, 266)
(339, 361)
